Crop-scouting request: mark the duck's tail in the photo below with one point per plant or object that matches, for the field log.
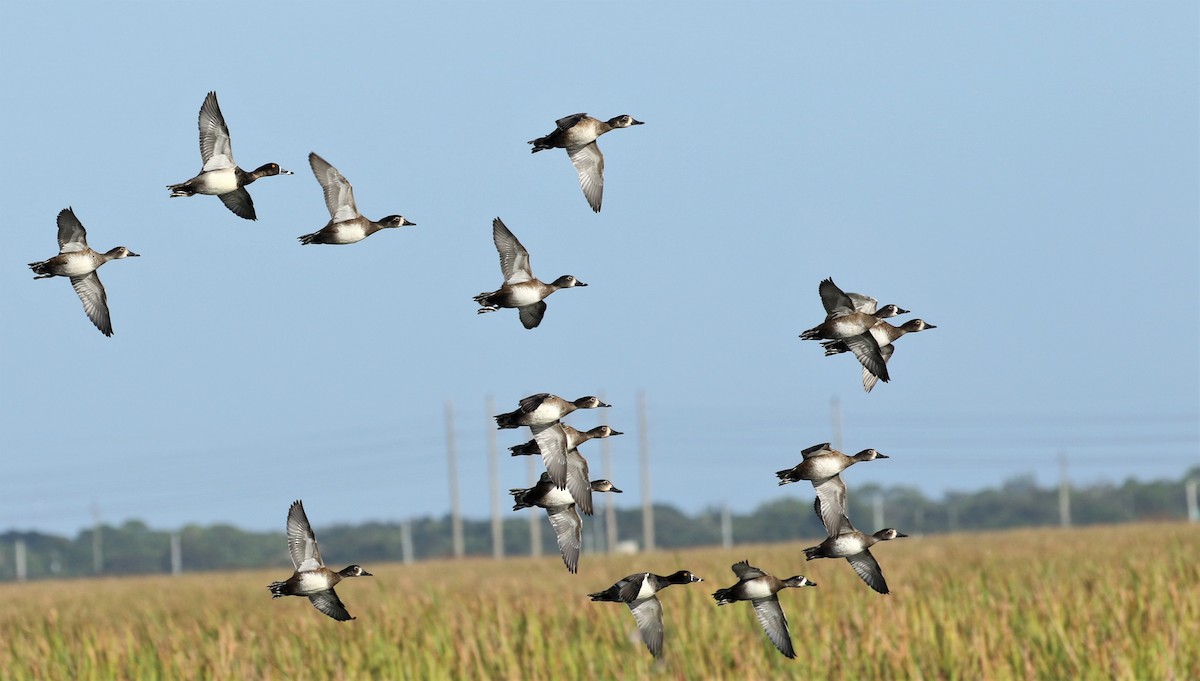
(812, 552)
(834, 347)
(41, 269)
(508, 420)
(519, 496)
(540, 144)
(276, 589)
(528, 449)
(721, 596)
(181, 189)
(308, 238)
(812, 334)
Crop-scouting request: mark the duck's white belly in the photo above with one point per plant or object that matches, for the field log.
(77, 265)
(522, 295)
(311, 583)
(558, 497)
(349, 232)
(217, 182)
(756, 589)
(848, 545)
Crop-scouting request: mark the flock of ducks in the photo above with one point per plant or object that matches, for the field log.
(221, 176)
(854, 323)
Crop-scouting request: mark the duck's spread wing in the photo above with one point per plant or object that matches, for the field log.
(531, 315)
(339, 195)
(815, 450)
(95, 302)
(869, 379)
(589, 164)
(71, 234)
(869, 355)
(552, 443)
(239, 202)
(830, 503)
(302, 543)
(329, 603)
(868, 568)
(578, 483)
(835, 301)
(215, 148)
(770, 616)
(514, 259)
(745, 570)
(567, 122)
(568, 527)
(648, 613)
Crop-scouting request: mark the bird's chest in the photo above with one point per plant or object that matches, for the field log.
(312, 582)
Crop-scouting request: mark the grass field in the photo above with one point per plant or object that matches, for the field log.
(1119, 602)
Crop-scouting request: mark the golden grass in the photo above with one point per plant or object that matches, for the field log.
(1098, 603)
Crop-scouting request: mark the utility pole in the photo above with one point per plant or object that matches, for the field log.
(97, 549)
(1193, 512)
(644, 456)
(176, 555)
(406, 542)
(878, 508)
(494, 485)
(1064, 491)
(835, 407)
(19, 557)
(610, 504)
(456, 530)
(535, 513)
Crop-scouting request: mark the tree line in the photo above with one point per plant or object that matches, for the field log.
(135, 548)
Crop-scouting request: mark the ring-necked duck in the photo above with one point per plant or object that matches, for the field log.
(638, 592)
(577, 134)
(312, 579)
(761, 588)
(347, 225)
(521, 289)
(78, 262)
(220, 175)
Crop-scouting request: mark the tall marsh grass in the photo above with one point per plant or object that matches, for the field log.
(1117, 602)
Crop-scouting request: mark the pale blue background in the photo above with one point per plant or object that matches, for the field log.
(1023, 175)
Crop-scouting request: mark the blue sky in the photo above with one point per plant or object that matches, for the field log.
(1023, 175)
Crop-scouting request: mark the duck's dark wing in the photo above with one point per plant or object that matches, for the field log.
(868, 568)
(569, 530)
(95, 301)
(528, 405)
(215, 148)
(869, 379)
(867, 350)
(329, 603)
(745, 570)
(239, 202)
(629, 587)
(648, 613)
(815, 450)
(770, 616)
(302, 542)
(71, 234)
(531, 315)
(567, 122)
(837, 303)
